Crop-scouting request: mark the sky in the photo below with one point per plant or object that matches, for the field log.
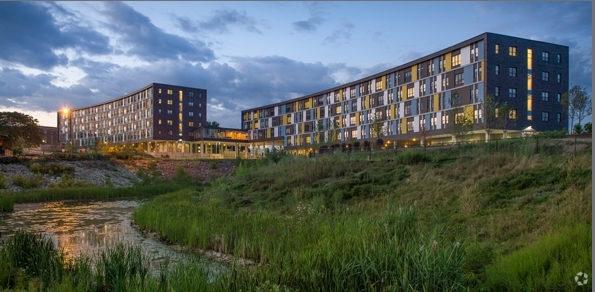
(56, 55)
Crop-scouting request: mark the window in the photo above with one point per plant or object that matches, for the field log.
(545, 116)
(497, 91)
(199, 104)
(512, 92)
(199, 115)
(408, 110)
(545, 56)
(170, 92)
(559, 117)
(497, 70)
(512, 72)
(559, 58)
(559, 77)
(159, 90)
(170, 102)
(170, 122)
(159, 122)
(558, 97)
(410, 92)
(170, 132)
(190, 124)
(512, 51)
(497, 49)
(191, 104)
(545, 96)
(409, 126)
(159, 110)
(545, 76)
(408, 76)
(169, 112)
(190, 94)
(456, 60)
(459, 79)
(512, 114)
(191, 114)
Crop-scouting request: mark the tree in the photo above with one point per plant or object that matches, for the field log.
(506, 117)
(577, 103)
(462, 123)
(212, 124)
(490, 119)
(19, 130)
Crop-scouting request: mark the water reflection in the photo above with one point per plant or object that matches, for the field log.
(84, 228)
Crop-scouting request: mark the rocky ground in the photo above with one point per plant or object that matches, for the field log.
(119, 173)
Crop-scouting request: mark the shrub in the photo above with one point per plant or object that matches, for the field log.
(2, 181)
(26, 182)
(578, 129)
(214, 165)
(412, 157)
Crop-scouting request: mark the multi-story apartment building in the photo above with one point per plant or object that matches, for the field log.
(49, 135)
(158, 116)
(419, 96)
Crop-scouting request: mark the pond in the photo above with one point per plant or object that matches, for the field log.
(85, 228)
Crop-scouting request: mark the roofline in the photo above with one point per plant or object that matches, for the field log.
(132, 93)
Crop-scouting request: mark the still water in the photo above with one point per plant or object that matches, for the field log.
(85, 228)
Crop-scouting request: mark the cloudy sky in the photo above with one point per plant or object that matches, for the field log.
(247, 54)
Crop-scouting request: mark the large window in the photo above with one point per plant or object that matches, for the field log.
(545, 96)
(545, 116)
(512, 51)
(512, 72)
(545, 56)
(512, 92)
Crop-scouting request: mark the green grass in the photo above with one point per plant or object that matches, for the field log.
(342, 222)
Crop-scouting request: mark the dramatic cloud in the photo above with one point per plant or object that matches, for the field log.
(344, 33)
(149, 42)
(222, 19)
(30, 34)
(311, 25)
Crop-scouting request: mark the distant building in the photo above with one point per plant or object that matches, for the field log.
(530, 76)
(49, 135)
(161, 119)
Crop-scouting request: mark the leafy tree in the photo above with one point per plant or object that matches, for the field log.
(212, 124)
(490, 119)
(19, 130)
(377, 126)
(577, 103)
(578, 128)
(588, 127)
(462, 124)
(332, 130)
(506, 117)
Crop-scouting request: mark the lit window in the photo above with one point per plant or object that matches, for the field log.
(159, 90)
(512, 92)
(169, 91)
(190, 124)
(545, 56)
(159, 122)
(512, 114)
(170, 122)
(170, 102)
(545, 96)
(545, 116)
(512, 51)
(545, 76)
(497, 70)
(512, 72)
(159, 100)
(497, 49)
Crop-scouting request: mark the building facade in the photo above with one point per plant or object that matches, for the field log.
(418, 99)
(49, 135)
(156, 117)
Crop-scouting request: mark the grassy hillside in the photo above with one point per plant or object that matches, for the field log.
(442, 220)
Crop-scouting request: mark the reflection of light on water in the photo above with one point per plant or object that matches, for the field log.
(85, 228)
